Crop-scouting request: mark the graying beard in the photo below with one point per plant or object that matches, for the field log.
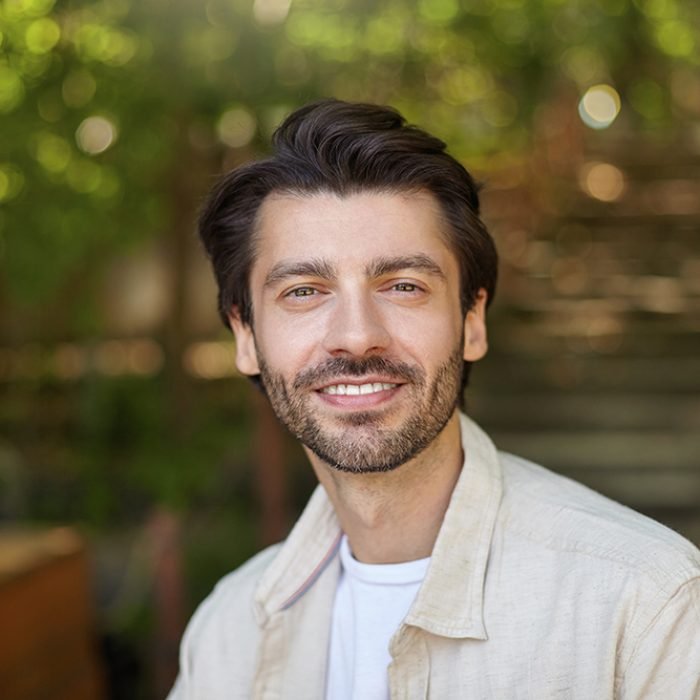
(292, 414)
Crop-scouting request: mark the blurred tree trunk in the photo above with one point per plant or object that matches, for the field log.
(190, 172)
(270, 473)
(165, 532)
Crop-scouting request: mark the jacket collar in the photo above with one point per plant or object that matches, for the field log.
(311, 545)
(450, 601)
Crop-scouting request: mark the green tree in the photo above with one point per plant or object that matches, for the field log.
(114, 112)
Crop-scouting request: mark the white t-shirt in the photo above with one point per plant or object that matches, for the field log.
(370, 603)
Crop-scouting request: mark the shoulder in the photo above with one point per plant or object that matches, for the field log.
(218, 650)
(230, 606)
(245, 577)
(561, 514)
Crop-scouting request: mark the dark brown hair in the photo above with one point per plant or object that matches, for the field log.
(344, 148)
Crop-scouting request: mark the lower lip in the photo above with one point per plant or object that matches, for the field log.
(359, 401)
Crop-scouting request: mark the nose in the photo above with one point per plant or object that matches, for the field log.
(355, 328)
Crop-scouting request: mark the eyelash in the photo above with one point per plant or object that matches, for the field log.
(301, 292)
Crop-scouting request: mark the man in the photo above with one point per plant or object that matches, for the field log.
(355, 273)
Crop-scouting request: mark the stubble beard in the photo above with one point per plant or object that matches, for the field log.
(359, 442)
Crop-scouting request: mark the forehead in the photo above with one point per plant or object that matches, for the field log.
(357, 227)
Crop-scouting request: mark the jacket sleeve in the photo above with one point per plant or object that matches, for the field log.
(219, 647)
(666, 660)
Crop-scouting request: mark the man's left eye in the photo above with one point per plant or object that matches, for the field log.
(302, 292)
(405, 287)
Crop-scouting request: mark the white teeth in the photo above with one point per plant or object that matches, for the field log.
(357, 389)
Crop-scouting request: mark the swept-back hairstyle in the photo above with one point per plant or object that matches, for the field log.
(344, 148)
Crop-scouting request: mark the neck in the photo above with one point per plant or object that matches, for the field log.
(396, 516)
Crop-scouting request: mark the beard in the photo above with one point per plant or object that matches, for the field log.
(361, 442)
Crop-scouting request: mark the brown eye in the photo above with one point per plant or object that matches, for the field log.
(303, 292)
(405, 287)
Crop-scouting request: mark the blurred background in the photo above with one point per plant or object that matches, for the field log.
(136, 468)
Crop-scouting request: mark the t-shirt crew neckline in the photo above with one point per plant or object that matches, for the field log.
(382, 574)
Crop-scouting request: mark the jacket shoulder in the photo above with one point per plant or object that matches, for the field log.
(233, 594)
(218, 648)
(563, 514)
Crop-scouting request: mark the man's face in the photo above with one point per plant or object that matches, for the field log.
(357, 329)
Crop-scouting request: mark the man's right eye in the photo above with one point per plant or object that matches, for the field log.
(302, 292)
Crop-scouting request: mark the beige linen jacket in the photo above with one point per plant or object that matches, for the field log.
(538, 589)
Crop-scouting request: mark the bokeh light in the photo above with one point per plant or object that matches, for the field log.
(269, 12)
(70, 361)
(236, 127)
(95, 135)
(52, 152)
(599, 106)
(438, 11)
(676, 38)
(95, 42)
(123, 357)
(42, 35)
(602, 181)
(210, 360)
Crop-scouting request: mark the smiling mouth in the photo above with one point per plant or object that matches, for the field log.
(357, 389)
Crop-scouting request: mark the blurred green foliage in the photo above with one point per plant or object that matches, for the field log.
(102, 451)
(178, 80)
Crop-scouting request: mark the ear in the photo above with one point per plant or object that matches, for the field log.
(246, 352)
(475, 341)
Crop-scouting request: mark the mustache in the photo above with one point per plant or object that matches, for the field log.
(356, 367)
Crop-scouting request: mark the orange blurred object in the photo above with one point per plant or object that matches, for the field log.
(47, 644)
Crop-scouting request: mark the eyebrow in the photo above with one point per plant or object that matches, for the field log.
(316, 267)
(417, 261)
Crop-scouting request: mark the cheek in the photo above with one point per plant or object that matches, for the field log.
(433, 333)
(286, 346)
(431, 347)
